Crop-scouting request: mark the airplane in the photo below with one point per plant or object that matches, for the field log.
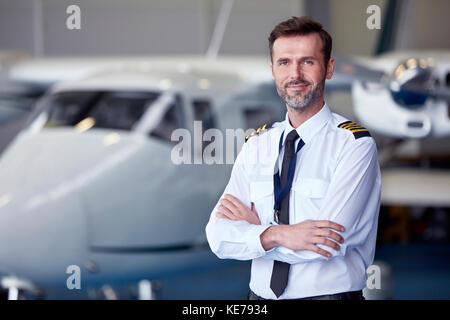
(403, 98)
(409, 95)
(26, 80)
(101, 191)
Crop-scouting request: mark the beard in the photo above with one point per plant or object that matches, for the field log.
(297, 101)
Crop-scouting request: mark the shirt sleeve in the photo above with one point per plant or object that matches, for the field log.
(352, 200)
(230, 239)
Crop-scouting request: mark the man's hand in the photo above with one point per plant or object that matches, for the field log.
(301, 236)
(233, 209)
(304, 236)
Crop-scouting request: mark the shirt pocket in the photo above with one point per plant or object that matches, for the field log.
(309, 196)
(261, 194)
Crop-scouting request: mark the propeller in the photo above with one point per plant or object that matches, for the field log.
(411, 84)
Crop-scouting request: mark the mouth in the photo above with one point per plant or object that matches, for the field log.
(297, 86)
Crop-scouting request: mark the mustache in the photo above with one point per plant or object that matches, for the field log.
(297, 82)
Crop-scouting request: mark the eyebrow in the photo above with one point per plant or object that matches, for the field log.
(309, 58)
(302, 58)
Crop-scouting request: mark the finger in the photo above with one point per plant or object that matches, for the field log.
(224, 210)
(221, 215)
(318, 250)
(329, 224)
(329, 234)
(229, 205)
(326, 242)
(254, 209)
(225, 213)
(230, 209)
(224, 216)
(236, 202)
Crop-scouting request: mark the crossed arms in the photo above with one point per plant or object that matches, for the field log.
(301, 236)
(346, 220)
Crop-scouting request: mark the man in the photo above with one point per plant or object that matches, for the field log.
(303, 198)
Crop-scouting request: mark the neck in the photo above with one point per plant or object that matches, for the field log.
(298, 117)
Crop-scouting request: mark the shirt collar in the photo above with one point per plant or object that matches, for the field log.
(310, 127)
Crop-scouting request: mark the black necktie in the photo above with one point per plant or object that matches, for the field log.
(280, 271)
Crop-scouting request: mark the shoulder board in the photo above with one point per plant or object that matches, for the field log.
(357, 130)
(256, 132)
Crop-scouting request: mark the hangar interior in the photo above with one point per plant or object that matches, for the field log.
(63, 53)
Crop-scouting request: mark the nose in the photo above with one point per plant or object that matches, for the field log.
(296, 71)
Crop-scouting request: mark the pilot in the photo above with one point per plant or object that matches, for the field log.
(303, 198)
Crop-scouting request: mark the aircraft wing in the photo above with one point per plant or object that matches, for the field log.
(347, 70)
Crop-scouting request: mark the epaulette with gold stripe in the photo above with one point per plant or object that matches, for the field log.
(256, 132)
(357, 130)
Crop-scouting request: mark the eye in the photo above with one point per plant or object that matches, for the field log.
(283, 63)
(308, 62)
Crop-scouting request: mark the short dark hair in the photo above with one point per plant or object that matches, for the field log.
(300, 26)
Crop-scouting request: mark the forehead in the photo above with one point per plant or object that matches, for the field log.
(306, 45)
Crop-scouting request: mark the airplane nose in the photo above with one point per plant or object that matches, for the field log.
(43, 227)
(41, 242)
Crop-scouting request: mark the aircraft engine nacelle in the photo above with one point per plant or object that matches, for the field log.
(409, 82)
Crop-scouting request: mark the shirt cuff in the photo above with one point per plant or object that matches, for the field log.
(254, 239)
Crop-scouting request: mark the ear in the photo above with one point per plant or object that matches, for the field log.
(330, 68)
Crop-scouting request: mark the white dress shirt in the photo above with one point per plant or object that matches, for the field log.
(337, 178)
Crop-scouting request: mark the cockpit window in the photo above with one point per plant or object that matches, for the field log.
(203, 112)
(111, 110)
(171, 120)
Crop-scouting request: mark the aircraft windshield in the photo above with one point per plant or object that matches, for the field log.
(112, 110)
